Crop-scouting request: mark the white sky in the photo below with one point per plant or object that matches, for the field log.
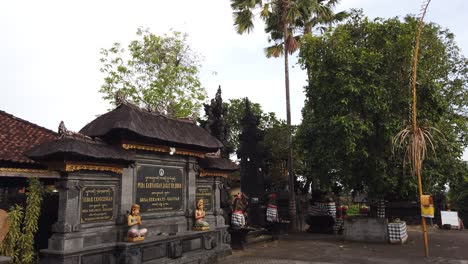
(49, 51)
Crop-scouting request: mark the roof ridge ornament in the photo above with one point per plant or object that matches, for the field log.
(64, 132)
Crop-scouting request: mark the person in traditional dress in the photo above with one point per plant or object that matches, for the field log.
(238, 208)
(134, 222)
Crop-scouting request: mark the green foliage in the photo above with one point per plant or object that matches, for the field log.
(23, 225)
(358, 98)
(159, 73)
(353, 209)
(235, 113)
(9, 246)
(274, 143)
(298, 16)
(458, 194)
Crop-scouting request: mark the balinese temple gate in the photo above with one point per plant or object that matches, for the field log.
(131, 156)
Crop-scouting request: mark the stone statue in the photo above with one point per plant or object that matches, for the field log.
(200, 224)
(135, 233)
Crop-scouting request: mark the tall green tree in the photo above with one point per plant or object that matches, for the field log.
(458, 193)
(358, 98)
(282, 18)
(159, 73)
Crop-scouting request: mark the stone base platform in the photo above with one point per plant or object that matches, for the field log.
(186, 247)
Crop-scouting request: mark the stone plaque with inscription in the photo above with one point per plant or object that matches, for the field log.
(205, 193)
(159, 188)
(97, 204)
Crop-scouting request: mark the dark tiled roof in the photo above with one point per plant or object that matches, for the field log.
(223, 164)
(80, 148)
(17, 136)
(134, 123)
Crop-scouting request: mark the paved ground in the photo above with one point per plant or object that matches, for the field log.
(444, 247)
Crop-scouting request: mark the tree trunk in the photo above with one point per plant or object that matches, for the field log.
(292, 194)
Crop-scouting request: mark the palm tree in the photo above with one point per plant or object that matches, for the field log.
(282, 19)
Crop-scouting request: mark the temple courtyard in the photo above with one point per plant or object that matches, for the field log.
(445, 246)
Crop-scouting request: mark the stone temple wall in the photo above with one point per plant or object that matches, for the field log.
(93, 209)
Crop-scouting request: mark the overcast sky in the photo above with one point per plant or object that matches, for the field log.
(49, 51)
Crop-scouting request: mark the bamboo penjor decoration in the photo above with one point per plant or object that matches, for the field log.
(417, 137)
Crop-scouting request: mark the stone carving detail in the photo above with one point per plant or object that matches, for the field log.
(130, 256)
(196, 169)
(209, 242)
(189, 213)
(76, 228)
(226, 238)
(63, 131)
(175, 249)
(62, 227)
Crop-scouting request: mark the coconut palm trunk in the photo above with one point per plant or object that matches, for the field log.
(292, 194)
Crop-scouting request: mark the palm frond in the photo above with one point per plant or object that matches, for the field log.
(292, 43)
(265, 11)
(243, 21)
(416, 143)
(275, 51)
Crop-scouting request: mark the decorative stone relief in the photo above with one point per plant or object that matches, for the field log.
(175, 249)
(62, 227)
(209, 242)
(226, 237)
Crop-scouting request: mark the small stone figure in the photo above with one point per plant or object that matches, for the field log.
(135, 233)
(200, 224)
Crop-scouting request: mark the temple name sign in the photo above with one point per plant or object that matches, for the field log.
(159, 188)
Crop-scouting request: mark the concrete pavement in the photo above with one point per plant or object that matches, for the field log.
(445, 246)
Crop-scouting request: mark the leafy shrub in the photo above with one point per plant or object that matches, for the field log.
(23, 225)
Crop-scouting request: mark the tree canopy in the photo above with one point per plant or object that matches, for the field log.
(159, 73)
(358, 98)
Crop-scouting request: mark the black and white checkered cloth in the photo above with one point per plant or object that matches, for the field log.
(237, 220)
(338, 227)
(381, 209)
(319, 209)
(272, 213)
(397, 233)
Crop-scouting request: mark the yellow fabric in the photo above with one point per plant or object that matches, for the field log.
(427, 211)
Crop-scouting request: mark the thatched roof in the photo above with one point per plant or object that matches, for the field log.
(80, 148)
(128, 122)
(221, 164)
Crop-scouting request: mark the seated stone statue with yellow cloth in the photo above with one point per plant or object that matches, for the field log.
(200, 223)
